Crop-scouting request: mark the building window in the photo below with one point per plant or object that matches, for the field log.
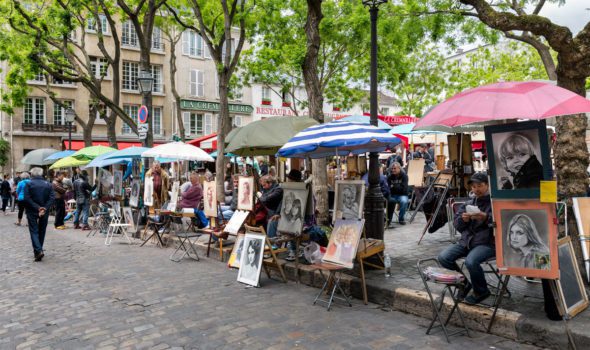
(99, 67)
(157, 43)
(129, 35)
(287, 99)
(35, 110)
(131, 111)
(130, 74)
(192, 44)
(232, 49)
(91, 26)
(237, 121)
(158, 79)
(39, 78)
(58, 81)
(210, 125)
(385, 111)
(157, 120)
(59, 112)
(197, 83)
(266, 100)
(193, 123)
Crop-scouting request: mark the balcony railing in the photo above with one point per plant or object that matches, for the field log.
(47, 127)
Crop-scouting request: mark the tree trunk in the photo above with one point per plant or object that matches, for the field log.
(112, 130)
(316, 102)
(87, 131)
(223, 128)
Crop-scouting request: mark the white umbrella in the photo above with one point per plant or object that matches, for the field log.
(37, 157)
(179, 151)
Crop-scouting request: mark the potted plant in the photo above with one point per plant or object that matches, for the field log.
(266, 102)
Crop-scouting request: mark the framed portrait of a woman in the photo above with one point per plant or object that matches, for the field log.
(349, 199)
(293, 208)
(246, 193)
(526, 238)
(251, 259)
(210, 199)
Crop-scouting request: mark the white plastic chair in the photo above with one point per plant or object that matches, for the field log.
(116, 227)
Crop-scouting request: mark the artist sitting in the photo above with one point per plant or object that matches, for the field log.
(473, 220)
(191, 198)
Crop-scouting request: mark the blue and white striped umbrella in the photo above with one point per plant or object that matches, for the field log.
(337, 138)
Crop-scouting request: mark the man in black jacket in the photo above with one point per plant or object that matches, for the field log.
(398, 192)
(38, 198)
(477, 244)
(82, 192)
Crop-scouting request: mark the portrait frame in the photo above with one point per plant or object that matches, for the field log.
(118, 182)
(249, 272)
(582, 205)
(210, 199)
(340, 209)
(518, 215)
(344, 242)
(536, 132)
(134, 197)
(296, 191)
(148, 192)
(236, 252)
(569, 285)
(129, 218)
(246, 200)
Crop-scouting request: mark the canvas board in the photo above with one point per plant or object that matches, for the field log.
(526, 238)
(236, 253)
(129, 218)
(148, 192)
(246, 193)
(174, 196)
(134, 197)
(210, 199)
(236, 221)
(581, 211)
(570, 287)
(293, 207)
(251, 259)
(344, 242)
(349, 199)
(416, 172)
(118, 182)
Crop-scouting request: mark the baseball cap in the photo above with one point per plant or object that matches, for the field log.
(480, 177)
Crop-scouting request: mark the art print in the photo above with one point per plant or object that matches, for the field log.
(129, 219)
(518, 156)
(251, 259)
(210, 199)
(134, 197)
(293, 208)
(581, 207)
(349, 200)
(236, 253)
(118, 182)
(344, 242)
(526, 238)
(246, 193)
(236, 221)
(148, 192)
(174, 196)
(570, 287)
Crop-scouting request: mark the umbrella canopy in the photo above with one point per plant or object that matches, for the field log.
(407, 129)
(227, 155)
(130, 152)
(363, 119)
(265, 137)
(92, 152)
(69, 162)
(179, 151)
(337, 137)
(502, 101)
(103, 160)
(60, 155)
(38, 156)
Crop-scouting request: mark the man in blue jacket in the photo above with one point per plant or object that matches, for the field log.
(474, 221)
(38, 197)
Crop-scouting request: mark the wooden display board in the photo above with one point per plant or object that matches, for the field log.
(416, 172)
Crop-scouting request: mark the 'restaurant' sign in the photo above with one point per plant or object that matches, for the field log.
(214, 106)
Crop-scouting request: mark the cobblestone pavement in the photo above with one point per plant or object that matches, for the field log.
(85, 295)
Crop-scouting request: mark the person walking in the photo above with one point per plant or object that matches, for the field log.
(5, 193)
(60, 204)
(38, 197)
(20, 195)
(82, 192)
(15, 181)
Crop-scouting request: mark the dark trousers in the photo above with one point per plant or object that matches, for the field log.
(21, 210)
(37, 228)
(5, 203)
(60, 211)
(473, 259)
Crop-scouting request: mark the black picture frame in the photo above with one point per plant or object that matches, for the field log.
(535, 132)
(570, 286)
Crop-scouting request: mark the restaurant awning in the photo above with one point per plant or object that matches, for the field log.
(77, 145)
(207, 142)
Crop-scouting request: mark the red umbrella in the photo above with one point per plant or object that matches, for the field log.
(501, 101)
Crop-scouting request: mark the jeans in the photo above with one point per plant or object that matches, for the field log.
(271, 228)
(60, 212)
(227, 214)
(81, 208)
(403, 205)
(5, 203)
(37, 227)
(474, 258)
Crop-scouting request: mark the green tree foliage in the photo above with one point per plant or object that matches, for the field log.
(4, 151)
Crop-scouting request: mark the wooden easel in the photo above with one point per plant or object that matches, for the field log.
(273, 261)
(367, 248)
(216, 229)
(442, 181)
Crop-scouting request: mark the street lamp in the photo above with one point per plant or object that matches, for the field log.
(145, 82)
(70, 117)
(374, 202)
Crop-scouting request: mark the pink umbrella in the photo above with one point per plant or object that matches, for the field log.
(501, 101)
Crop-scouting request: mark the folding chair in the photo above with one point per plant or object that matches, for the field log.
(490, 268)
(332, 283)
(453, 205)
(116, 227)
(272, 261)
(185, 246)
(99, 220)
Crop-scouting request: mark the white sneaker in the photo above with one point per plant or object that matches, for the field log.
(291, 256)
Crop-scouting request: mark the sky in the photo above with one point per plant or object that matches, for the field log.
(574, 14)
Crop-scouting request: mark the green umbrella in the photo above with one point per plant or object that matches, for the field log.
(89, 153)
(265, 137)
(69, 162)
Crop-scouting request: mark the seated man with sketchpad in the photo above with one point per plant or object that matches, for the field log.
(474, 221)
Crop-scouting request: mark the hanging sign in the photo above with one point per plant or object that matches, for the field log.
(142, 114)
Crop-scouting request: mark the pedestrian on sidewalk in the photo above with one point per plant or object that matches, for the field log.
(60, 204)
(82, 190)
(477, 240)
(38, 199)
(5, 193)
(20, 195)
(15, 182)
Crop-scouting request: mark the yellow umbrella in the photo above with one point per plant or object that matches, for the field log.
(69, 162)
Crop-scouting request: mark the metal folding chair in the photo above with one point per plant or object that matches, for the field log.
(116, 227)
(186, 247)
(331, 284)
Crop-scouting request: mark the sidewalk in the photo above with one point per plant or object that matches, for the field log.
(521, 316)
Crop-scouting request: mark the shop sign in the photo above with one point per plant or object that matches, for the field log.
(214, 106)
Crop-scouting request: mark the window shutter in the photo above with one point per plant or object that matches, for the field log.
(186, 121)
(208, 128)
(185, 43)
(198, 45)
(193, 83)
(200, 83)
(206, 52)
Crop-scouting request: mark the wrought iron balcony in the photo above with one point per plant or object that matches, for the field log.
(47, 127)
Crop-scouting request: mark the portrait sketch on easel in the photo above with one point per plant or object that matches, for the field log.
(349, 199)
(293, 208)
(148, 192)
(134, 198)
(210, 199)
(246, 193)
(251, 261)
(118, 182)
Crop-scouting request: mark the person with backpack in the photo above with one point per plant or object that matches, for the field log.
(20, 195)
